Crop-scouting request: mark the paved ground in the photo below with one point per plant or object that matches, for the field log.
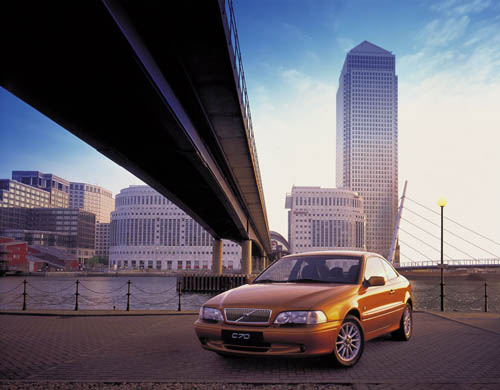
(146, 351)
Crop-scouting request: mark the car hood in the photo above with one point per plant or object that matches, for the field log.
(283, 296)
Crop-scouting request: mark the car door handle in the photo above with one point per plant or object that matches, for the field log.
(392, 291)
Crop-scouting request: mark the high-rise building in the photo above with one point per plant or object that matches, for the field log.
(92, 198)
(367, 138)
(150, 232)
(325, 218)
(57, 187)
(16, 194)
(71, 230)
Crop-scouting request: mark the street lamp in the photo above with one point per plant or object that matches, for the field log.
(442, 203)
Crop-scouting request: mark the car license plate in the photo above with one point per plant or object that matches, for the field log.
(242, 338)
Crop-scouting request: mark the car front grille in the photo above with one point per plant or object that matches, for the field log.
(247, 316)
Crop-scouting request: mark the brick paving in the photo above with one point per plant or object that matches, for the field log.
(114, 351)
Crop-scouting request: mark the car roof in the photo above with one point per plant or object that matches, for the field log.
(333, 252)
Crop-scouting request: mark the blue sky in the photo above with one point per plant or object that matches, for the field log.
(448, 64)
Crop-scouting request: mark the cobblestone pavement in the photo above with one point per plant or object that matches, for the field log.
(138, 352)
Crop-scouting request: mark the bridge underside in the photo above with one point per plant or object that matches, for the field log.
(150, 87)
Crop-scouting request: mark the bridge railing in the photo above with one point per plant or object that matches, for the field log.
(233, 42)
(451, 262)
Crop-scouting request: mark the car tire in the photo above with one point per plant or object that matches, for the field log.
(405, 325)
(349, 344)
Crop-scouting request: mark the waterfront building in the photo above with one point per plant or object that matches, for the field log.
(57, 187)
(16, 194)
(92, 198)
(324, 219)
(15, 254)
(150, 232)
(102, 241)
(20, 256)
(99, 201)
(71, 230)
(367, 138)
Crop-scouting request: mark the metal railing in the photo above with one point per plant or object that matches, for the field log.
(235, 54)
(27, 295)
(450, 263)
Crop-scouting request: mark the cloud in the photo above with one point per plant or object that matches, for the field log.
(448, 121)
(443, 32)
(461, 7)
(345, 44)
(296, 139)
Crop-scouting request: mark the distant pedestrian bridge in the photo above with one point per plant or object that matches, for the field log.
(451, 263)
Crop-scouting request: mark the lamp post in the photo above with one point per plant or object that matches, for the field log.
(442, 203)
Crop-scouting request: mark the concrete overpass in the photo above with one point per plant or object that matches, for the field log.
(156, 86)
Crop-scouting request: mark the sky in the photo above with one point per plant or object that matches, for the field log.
(448, 66)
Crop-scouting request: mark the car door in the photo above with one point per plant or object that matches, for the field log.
(375, 302)
(397, 288)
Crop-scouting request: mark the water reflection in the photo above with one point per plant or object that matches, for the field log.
(96, 293)
(159, 293)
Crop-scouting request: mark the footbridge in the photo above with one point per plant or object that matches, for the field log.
(156, 86)
(462, 263)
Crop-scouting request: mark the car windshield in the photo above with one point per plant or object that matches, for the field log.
(313, 269)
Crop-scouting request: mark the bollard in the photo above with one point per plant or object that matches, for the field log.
(180, 292)
(128, 296)
(76, 295)
(485, 297)
(24, 295)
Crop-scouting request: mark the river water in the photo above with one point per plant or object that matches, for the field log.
(159, 293)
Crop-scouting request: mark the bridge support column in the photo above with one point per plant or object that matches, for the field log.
(246, 257)
(264, 262)
(217, 257)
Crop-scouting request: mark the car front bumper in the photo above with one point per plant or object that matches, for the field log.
(310, 340)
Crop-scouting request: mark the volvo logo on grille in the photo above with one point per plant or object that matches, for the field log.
(246, 315)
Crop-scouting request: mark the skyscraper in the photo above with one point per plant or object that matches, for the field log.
(367, 138)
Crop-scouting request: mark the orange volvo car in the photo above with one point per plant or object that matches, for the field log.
(309, 304)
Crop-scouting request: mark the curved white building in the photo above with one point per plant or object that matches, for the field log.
(150, 232)
(325, 218)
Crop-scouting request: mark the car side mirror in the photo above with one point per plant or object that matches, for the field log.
(376, 281)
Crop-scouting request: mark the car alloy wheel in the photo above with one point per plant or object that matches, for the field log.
(405, 325)
(349, 343)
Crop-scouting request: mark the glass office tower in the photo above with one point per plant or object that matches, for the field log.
(367, 138)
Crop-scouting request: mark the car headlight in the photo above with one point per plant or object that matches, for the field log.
(210, 314)
(300, 317)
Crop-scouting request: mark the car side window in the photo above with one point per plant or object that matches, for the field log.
(391, 274)
(374, 268)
